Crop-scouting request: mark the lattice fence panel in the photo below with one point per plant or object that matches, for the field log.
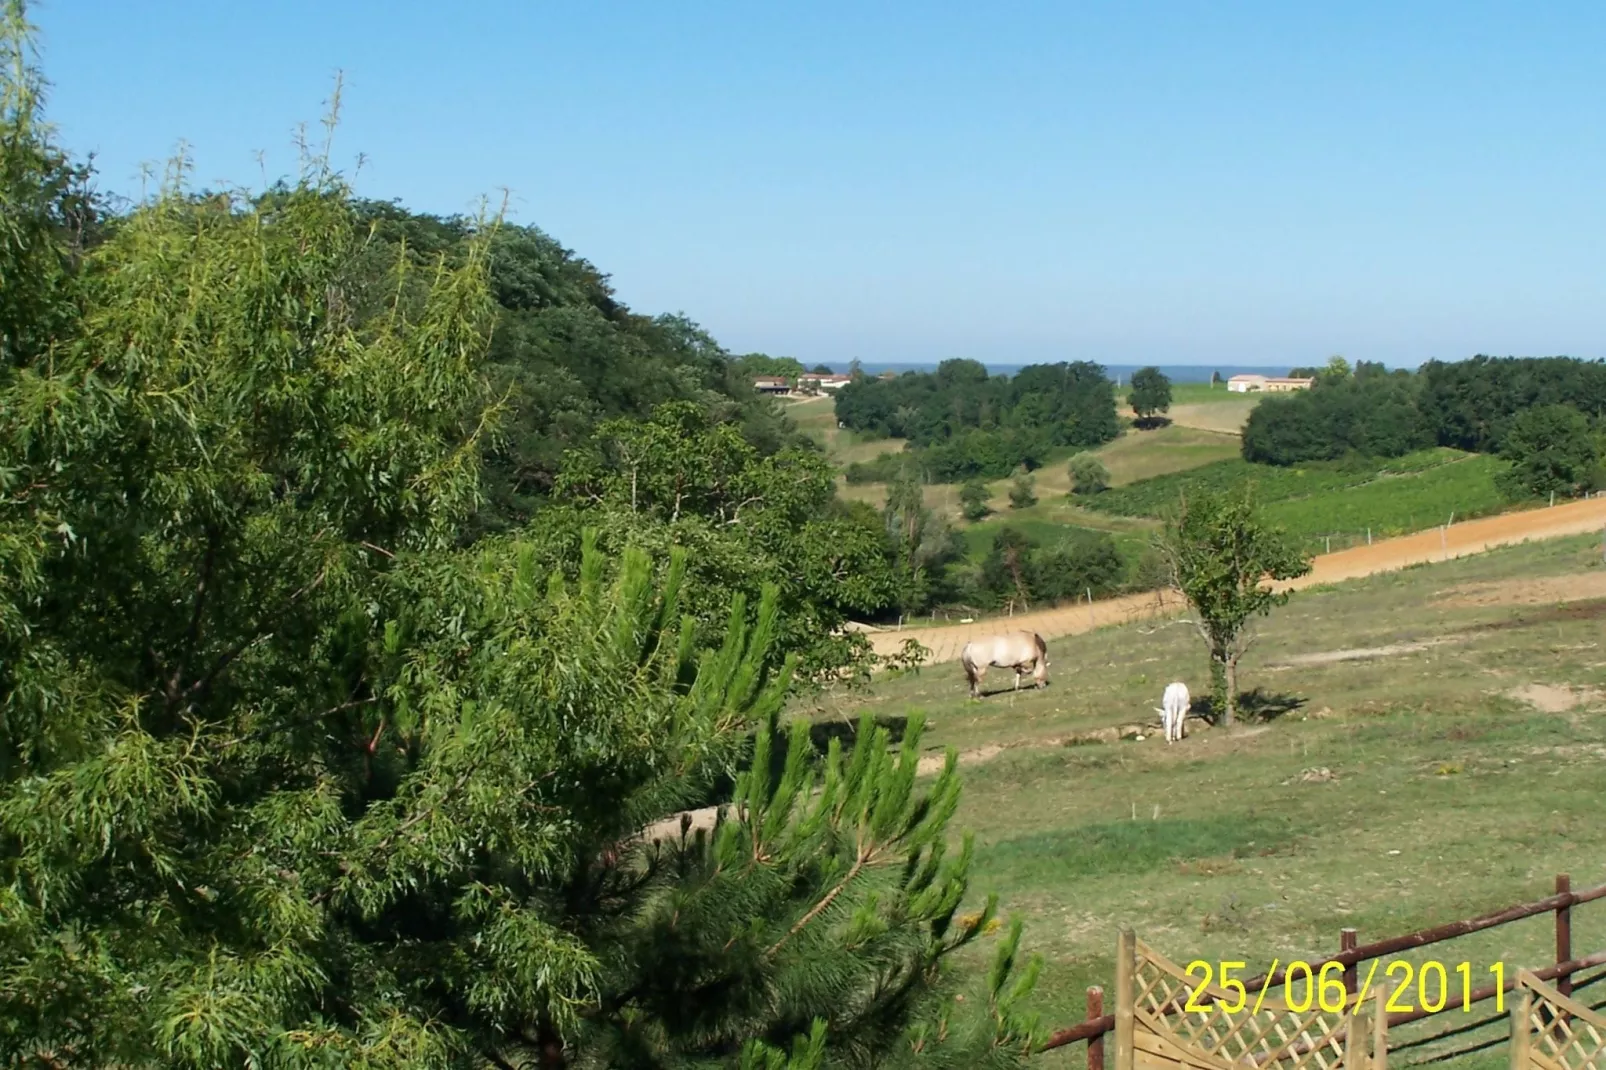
(1275, 1037)
(1562, 1034)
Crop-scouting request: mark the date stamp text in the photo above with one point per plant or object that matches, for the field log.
(1430, 986)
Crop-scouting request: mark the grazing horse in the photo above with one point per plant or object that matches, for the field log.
(1021, 651)
(1175, 714)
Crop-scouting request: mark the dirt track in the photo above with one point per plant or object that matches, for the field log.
(1458, 540)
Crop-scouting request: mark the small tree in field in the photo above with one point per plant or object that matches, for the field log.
(1023, 492)
(1219, 554)
(1088, 475)
(973, 500)
(1150, 395)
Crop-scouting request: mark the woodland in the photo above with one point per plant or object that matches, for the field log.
(1547, 415)
(375, 590)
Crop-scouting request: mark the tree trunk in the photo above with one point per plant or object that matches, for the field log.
(1232, 691)
(551, 1048)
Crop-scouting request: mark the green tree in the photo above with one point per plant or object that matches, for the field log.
(290, 776)
(755, 364)
(1552, 450)
(681, 479)
(1150, 395)
(1219, 554)
(973, 498)
(1088, 474)
(921, 543)
(1215, 377)
(1023, 491)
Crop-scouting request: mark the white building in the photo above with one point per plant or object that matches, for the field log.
(1252, 384)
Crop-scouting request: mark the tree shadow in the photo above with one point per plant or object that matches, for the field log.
(1261, 705)
(1151, 423)
(821, 733)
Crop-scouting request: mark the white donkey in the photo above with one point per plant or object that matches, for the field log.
(1175, 713)
(1021, 651)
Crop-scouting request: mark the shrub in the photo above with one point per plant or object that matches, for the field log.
(973, 500)
(1023, 492)
(1088, 475)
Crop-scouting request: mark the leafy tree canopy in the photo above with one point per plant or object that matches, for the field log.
(567, 354)
(973, 498)
(677, 478)
(1150, 394)
(966, 423)
(1553, 450)
(1022, 492)
(1088, 474)
(763, 364)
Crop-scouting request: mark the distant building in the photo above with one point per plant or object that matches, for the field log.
(772, 384)
(1251, 384)
(826, 382)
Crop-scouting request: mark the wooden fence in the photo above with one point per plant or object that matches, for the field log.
(1153, 1031)
(1550, 1031)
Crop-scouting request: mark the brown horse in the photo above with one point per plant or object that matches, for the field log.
(1021, 651)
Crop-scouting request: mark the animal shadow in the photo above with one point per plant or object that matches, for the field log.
(1007, 689)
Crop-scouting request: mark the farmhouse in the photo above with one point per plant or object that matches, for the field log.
(1247, 384)
(828, 382)
(772, 384)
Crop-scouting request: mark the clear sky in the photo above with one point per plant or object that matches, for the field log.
(1233, 182)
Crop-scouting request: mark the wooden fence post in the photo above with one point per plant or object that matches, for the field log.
(1346, 942)
(1564, 933)
(1380, 1028)
(1356, 1056)
(1126, 951)
(1095, 1044)
(1521, 1008)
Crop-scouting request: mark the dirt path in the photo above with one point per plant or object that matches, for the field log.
(1388, 555)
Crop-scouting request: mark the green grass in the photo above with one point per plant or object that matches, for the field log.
(1313, 503)
(1394, 505)
(1482, 796)
(1152, 497)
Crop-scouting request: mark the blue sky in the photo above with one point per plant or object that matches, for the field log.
(1233, 182)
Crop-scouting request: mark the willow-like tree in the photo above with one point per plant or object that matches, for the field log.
(288, 777)
(1219, 554)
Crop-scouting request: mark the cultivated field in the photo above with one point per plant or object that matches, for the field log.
(1422, 745)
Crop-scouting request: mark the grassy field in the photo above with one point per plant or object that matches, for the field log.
(1202, 406)
(1136, 455)
(1428, 744)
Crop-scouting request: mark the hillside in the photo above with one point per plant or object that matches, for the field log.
(1460, 701)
